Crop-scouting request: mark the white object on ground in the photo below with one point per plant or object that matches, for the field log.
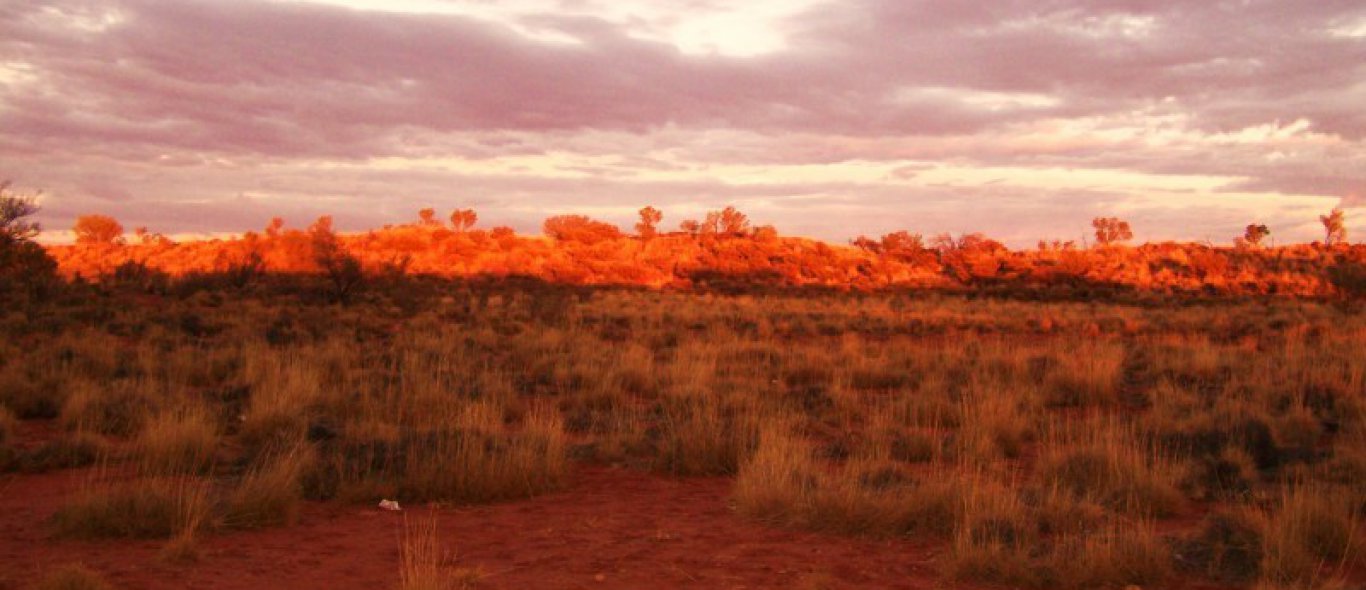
(390, 505)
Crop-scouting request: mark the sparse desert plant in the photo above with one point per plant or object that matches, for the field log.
(424, 564)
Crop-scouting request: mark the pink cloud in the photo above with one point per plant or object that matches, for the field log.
(264, 85)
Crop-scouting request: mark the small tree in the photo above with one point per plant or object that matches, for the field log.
(427, 217)
(97, 229)
(342, 269)
(276, 225)
(1334, 227)
(22, 261)
(1111, 230)
(690, 226)
(1254, 234)
(14, 211)
(463, 219)
(734, 222)
(649, 222)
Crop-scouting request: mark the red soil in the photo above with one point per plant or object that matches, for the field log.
(611, 528)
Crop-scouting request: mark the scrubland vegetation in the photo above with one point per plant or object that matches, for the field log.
(1062, 444)
(724, 251)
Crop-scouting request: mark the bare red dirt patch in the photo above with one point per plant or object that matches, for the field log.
(611, 528)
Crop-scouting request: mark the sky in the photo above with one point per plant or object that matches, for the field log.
(829, 119)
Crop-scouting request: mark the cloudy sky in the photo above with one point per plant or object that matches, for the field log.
(1020, 119)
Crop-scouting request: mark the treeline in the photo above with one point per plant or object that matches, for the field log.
(723, 250)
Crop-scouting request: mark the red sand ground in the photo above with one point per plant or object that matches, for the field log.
(612, 528)
(609, 528)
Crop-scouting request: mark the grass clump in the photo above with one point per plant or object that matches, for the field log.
(1114, 473)
(1228, 548)
(118, 411)
(701, 436)
(782, 483)
(145, 508)
(478, 461)
(425, 565)
(269, 494)
(74, 449)
(178, 442)
(1310, 535)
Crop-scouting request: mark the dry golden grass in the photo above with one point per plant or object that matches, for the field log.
(1311, 534)
(146, 507)
(270, 493)
(424, 564)
(1042, 442)
(182, 441)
